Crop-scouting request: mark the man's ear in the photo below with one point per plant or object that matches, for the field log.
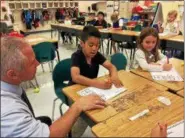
(12, 74)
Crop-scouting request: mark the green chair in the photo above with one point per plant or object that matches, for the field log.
(119, 61)
(45, 52)
(61, 73)
(137, 28)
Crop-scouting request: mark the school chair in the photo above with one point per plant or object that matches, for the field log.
(119, 61)
(137, 28)
(61, 74)
(45, 52)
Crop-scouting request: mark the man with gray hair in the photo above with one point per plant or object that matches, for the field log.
(18, 64)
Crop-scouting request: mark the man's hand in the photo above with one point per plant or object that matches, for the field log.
(160, 130)
(90, 102)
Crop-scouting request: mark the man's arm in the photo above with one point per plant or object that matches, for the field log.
(62, 126)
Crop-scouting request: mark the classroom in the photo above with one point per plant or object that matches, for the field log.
(84, 68)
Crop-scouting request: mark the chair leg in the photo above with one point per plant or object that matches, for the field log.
(42, 67)
(70, 134)
(36, 82)
(60, 108)
(52, 65)
(53, 110)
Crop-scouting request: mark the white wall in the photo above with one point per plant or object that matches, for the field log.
(83, 5)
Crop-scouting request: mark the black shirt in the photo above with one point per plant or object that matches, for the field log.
(103, 23)
(92, 22)
(89, 71)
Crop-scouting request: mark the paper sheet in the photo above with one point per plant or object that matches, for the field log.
(176, 130)
(104, 94)
(171, 75)
(35, 39)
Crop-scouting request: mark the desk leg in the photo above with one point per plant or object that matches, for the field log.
(59, 34)
(51, 34)
(58, 56)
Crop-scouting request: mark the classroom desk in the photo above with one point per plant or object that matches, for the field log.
(37, 30)
(173, 86)
(181, 93)
(121, 126)
(36, 39)
(175, 42)
(130, 81)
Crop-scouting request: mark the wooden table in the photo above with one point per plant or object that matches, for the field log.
(36, 39)
(37, 30)
(121, 126)
(173, 86)
(175, 42)
(181, 93)
(130, 81)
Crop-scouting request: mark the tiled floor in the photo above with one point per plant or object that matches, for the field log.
(42, 101)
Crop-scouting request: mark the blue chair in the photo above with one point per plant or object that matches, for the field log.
(119, 61)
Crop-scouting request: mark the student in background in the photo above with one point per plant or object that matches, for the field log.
(148, 56)
(116, 22)
(85, 62)
(91, 19)
(67, 21)
(171, 25)
(101, 23)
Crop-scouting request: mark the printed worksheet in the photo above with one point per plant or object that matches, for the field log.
(104, 94)
(176, 130)
(171, 75)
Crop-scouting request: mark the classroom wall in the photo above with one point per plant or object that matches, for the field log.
(83, 5)
(167, 6)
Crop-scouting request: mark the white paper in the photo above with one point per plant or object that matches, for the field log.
(176, 130)
(104, 94)
(164, 34)
(171, 75)
(34, 39)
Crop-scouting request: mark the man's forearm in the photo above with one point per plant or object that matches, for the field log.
(62, 126)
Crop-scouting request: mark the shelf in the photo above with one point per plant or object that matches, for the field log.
(12, 6)
(50, 4)
(66, 4)
(44, 5)
(61, 4)
(38, 5)
(56, 4)
(147, 12)
(25, 5)
(18, 5)
(32, 5)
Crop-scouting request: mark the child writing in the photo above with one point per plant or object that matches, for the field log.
(171, 25)
(85, 62)
(148, 55)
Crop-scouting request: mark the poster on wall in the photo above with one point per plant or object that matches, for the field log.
(109, 9)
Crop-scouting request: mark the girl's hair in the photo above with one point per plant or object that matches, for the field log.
(172, 12)
(149, 32)
(114, 17)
